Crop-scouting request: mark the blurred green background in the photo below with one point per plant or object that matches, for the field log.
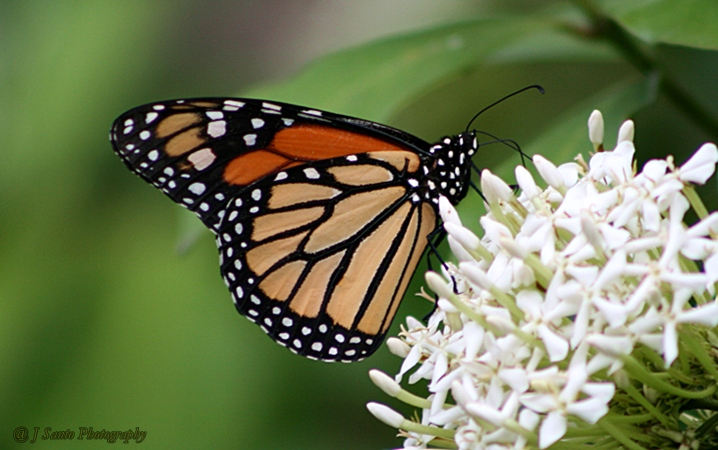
(104, 323)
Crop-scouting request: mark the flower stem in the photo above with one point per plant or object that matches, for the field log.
(408, 425)
(692, 345)
(643, 401)
(641, 374)
(615, 432)
(696, 202)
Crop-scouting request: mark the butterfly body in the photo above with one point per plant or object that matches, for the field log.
(320, 219)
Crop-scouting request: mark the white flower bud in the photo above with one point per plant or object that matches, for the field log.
(384, 382)
(595, 129)
(398, 347)
(625, 133)
(385, 414)
(549, 172)
(438, 284)
(494, 188)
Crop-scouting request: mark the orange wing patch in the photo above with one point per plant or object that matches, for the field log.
(250, 167)
(314, 142)
(309, 142)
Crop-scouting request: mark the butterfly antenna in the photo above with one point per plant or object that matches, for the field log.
(510, 143)
(533, 86)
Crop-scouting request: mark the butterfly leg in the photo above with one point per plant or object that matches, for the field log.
(434, 239)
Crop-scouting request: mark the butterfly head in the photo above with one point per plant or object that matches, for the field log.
(450, 168)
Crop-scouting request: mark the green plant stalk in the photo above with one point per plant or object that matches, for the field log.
(604, 26)
(408, 425)
(640, 373)
(697, 350)
(643, 401)
(614, 431)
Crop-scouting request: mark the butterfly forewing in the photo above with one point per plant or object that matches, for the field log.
(320, 218)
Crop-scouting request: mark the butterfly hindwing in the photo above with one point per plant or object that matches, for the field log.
(319, 255)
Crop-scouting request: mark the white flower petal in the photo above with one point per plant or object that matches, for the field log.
(540, 403)
(548, 172)
(556, 345)
(447, 211)
(552, 429)
(701, 165)
(569, 172)
(590, 410)
(670, 343)
(706, 315)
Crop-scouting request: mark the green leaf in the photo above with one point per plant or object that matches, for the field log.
(684, 22)
(374, 80)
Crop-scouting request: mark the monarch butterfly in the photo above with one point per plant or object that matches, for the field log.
(320, 219)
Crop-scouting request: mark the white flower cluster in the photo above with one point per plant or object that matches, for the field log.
(537, 326)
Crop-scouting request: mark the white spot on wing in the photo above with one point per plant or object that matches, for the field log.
(257, 123)
(153, 155)
(197, 188)
(150, 117)
(232, 105)
(201, 159)
(215, 115)
(250, 139)
(280, 176)
(268, 105)
(217, 129)
(311, 173)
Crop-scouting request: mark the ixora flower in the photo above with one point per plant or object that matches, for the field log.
(584, 316)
